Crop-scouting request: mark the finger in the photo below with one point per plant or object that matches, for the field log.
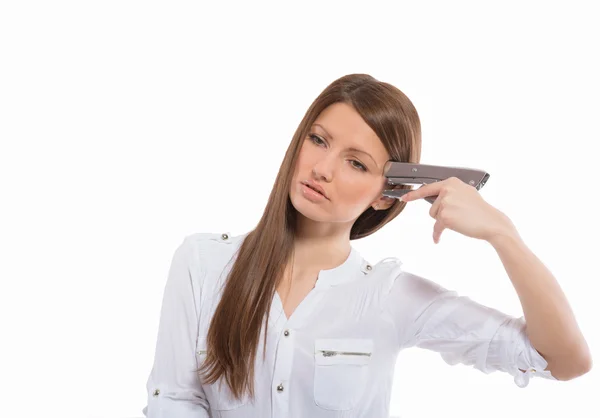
(438, 228)
(435, 208)
(432, 189)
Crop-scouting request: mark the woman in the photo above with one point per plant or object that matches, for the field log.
(289, 320)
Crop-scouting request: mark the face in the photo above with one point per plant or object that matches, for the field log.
(344, 157)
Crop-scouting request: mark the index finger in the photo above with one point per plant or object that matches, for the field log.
(431, 189)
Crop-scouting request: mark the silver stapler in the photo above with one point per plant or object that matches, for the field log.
(413, 174)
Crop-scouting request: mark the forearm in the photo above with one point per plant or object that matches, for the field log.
(551, 324)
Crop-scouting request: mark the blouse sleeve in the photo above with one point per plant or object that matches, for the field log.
(428, 316)
(173, 387)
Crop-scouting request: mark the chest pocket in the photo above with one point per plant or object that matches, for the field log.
(218, 394)
(341, 372)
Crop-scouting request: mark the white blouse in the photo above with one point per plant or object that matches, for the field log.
(335, 355)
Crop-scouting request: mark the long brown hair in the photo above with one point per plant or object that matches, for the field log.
(236, 326)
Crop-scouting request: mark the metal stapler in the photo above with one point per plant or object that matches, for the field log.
(411, 173)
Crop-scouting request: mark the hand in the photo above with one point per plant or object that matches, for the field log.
(460, 207)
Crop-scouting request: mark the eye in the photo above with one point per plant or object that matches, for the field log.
(358, 165)
(317, 140)
(314, 138)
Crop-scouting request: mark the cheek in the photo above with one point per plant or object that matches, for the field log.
(300, 162)
(357, 192)
(303, 157)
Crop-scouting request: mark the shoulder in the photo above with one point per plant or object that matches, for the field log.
(404, 283)
(396, 270)
(417, 284)
(212, 240)
(388, 267)
(216, 241)
(417, 292)
(211, 249)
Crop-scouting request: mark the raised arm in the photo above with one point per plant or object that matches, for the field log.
(551, 326)
(463, 331)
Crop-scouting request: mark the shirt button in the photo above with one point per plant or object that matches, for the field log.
(369, 267)
(156, 392)
(280, 388)
(224, 236)
(286, 333)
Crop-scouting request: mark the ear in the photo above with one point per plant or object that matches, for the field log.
(383, 203)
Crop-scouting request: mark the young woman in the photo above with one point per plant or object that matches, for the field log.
(289, 320)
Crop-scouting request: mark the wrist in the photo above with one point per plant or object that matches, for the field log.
(504, 233)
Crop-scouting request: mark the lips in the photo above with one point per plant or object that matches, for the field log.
(315, 187)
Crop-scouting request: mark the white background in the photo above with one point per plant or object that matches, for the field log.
(127, 125)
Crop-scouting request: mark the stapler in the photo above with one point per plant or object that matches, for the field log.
(411, 173)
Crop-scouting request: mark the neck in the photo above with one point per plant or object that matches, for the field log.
(320, 246)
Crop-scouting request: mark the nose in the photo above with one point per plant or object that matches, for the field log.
(323, 169)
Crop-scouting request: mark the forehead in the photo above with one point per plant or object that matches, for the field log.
(346, 126)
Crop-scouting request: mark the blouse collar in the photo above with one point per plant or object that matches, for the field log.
(353, 267)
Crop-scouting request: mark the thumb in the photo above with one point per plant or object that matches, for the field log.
(438, 228)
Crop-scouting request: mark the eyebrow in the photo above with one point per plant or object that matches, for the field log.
(349, 149)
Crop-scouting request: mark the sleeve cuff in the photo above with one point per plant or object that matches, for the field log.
(527, 358)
